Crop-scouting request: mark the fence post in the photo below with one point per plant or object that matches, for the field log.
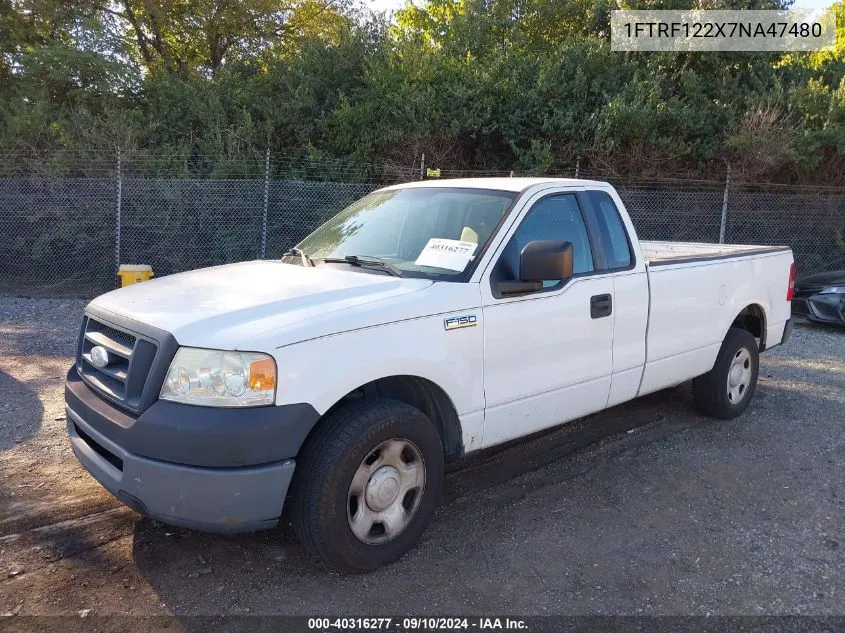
(725, 207)
(422, 167)
(577, 166)
(117, 219)
(266, 201)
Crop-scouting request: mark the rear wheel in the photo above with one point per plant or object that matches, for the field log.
(725, 391)
(367, 484)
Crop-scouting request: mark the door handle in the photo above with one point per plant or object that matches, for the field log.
(601, 306)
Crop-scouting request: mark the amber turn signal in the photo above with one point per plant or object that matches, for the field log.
(262, 374)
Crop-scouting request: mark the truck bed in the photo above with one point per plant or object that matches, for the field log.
(664, 253)
(696, 291)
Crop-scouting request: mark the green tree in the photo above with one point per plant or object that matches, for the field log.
(189, 35)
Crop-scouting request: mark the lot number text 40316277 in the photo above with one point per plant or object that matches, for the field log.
(425, 623)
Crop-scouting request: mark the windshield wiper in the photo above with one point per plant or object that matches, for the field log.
(364, 262)
(298, 252)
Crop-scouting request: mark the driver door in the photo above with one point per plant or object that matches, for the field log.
(548, 355)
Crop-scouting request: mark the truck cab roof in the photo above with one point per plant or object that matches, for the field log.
(500, 184)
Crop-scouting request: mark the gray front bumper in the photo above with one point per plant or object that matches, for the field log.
(209, 499)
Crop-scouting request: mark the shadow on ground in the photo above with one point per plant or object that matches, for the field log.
(45, 329)
(20, 411)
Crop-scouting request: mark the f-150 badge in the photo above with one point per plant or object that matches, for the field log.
(455, 322)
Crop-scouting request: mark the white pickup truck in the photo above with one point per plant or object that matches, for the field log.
(424, 322)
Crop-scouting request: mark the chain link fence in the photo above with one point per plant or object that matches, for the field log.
(67, 221)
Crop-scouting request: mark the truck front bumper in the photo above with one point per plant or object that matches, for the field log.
(213, 499)
(207, 499)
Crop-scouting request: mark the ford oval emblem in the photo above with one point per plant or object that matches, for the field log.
(99, 356)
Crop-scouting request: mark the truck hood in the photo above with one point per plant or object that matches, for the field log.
(225, 306)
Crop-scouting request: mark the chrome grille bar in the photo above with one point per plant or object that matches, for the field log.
(111, 379)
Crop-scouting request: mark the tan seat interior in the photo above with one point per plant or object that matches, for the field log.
(468, 235)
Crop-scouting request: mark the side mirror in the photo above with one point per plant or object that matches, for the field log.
(539, 261)
(545, 259)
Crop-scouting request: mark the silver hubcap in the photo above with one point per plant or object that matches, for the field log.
(386, 491)
(739, 376)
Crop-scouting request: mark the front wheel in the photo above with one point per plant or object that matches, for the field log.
(367, 484)
(725, 391)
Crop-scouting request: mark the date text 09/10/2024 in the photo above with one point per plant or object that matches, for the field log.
(415, 624)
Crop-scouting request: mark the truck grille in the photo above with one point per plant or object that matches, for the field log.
(130, 359)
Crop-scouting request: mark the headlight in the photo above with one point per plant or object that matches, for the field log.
(829, 290)
(216, 378)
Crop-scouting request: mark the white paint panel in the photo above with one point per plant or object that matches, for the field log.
(322, 371)
(472, 425)
(624, 385)
(534, 413)
(227, 307)
(501, 184)
(630, 305)
(674, 370)
(694, 304)
(545, 344)
(774, 333)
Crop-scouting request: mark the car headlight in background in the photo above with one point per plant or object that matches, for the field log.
(829, 290)
(218, 378)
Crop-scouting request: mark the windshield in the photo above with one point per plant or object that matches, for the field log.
(421, 232)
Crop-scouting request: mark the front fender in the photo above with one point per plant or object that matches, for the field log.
(322, 371)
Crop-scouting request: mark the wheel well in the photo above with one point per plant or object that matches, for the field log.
(423, 395)
(753, 319)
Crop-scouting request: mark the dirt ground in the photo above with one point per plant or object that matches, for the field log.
(644, 509)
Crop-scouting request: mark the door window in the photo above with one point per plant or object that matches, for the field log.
(556, 217)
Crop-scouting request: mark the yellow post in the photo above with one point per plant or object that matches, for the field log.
(133, 273)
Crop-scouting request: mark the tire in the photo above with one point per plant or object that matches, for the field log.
(343, 478)
(725, 391)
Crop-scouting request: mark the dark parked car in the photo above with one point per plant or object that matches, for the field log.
(821, 297)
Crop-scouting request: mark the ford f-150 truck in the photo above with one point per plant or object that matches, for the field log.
(422, 323)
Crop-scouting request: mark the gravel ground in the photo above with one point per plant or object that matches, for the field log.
(646, 508)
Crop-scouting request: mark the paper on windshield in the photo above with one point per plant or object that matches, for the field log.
(448, 254)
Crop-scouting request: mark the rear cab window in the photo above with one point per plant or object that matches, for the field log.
(618, 253)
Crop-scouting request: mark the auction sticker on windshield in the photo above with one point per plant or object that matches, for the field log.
(448, 254)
